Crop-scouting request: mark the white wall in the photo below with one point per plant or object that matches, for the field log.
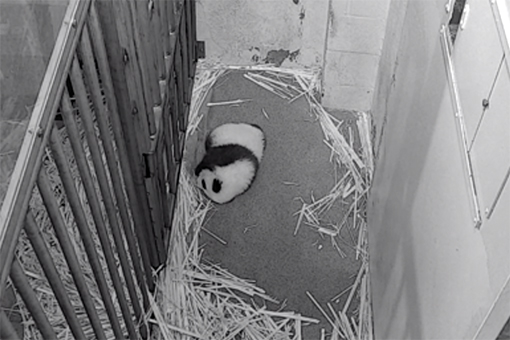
(434, 276)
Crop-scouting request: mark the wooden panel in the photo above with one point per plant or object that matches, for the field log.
(111, 102)
(129, 101)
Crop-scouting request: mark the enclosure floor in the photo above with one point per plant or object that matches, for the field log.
(258, 226)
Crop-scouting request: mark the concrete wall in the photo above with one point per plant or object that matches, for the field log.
(343, 37)
(246, 32)
(434, 276)
(355, 37)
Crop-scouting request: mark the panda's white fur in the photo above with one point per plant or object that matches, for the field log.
(250, 136)
(233, 180)
(229, 167)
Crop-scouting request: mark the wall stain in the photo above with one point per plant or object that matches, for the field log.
(302, 14)
(277, 57)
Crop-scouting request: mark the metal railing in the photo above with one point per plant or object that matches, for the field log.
(94, 185)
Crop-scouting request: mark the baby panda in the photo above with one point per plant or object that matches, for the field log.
(231, 162)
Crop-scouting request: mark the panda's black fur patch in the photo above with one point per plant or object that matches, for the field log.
(224, 155)
(216, 185)
(208, 140)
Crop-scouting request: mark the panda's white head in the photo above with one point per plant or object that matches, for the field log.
(209, 182)
(226, 172)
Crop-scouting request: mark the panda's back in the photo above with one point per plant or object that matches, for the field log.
(249, 136)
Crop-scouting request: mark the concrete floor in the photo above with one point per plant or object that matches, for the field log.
(258, 226)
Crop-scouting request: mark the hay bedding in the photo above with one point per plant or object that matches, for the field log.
(202, 301)
(32, 268)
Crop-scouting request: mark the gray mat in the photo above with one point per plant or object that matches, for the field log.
(258, 226)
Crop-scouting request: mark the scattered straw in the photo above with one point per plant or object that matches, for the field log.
(231, 102)
(198, 300)
(264, 112)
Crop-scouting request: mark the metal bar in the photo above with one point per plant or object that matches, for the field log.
(93, 200)
(22, 285)
(111, 100)
(501, 11)
(94, 86)
(86, 236)
(18, 194)
(131, 108)
(52, 207)
(461, 127)
(7, 330)
(44, 257)
(104, 186)
(498, 194)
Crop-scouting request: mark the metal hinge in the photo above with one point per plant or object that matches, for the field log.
(200, 49)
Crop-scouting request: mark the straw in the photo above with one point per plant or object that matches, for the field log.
(194, 299)
(30, 263)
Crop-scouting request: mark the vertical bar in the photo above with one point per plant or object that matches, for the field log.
(104, 186)
(180, 86)
(52, 207)
(184, 56)
(7, 330)
(129, 179)
(31, 300)
(191, 41)
(159, 42)
(144, 49)
(44, 257)
(131, 108)
(176, 113)
(194, 32)
(91, 78)
(461, 127)
(93, 199)
(171, 137)
(172, 16)
(154, 201)
(86, 236)
(165, 26)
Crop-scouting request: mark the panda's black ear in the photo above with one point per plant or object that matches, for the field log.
(216, 185)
